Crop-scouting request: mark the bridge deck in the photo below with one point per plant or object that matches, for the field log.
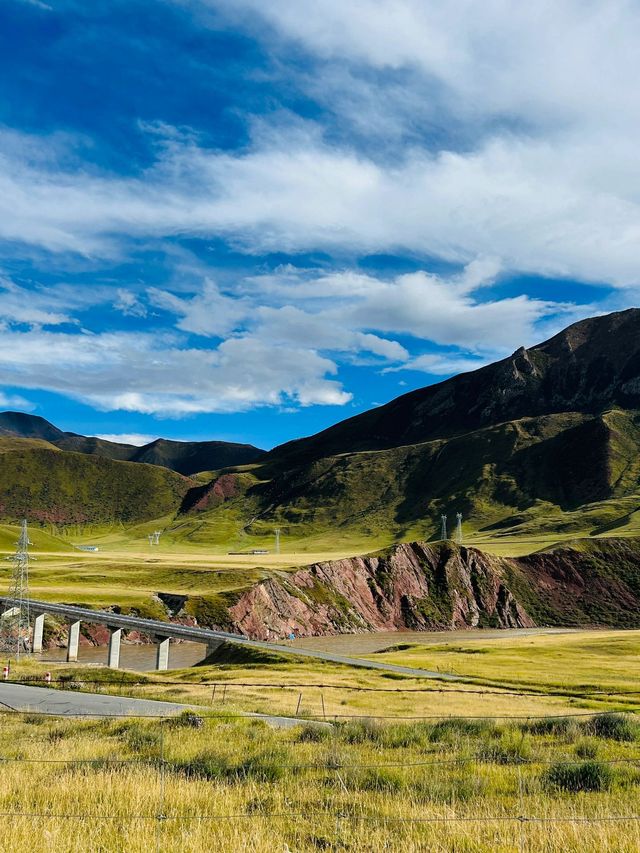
(156, 628)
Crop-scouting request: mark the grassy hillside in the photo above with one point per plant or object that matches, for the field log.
(47, 485)
(549, 476)
(185, 457)
(536, 448)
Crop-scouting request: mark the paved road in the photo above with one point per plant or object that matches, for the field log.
(203, 635)
(68, 703)
(71, 703)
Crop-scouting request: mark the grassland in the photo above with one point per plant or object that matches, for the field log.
(517, 756)
(126, 571)
(219, 783)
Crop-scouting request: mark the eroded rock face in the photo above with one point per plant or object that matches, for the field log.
(413, 586)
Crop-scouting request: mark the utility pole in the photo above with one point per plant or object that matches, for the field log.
(15, 621)
(277, 540)
(443, 529)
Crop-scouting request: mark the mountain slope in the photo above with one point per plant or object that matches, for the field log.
(591, 366)
(442, 586)
(185, 457)
(192, 457)
(45, 484)
(22, 425)
(548, 435)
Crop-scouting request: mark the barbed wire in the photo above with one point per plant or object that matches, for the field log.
(507, 691)
(161, 764)
(326, 717)
(98, 763)
(314, 816)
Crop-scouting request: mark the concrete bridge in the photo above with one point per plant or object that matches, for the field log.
(164, 632)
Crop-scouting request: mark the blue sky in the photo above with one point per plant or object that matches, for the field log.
(245, 220)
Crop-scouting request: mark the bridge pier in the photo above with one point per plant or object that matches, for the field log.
(74, 638)
(114, 648)
(38, 631)
(162, 653)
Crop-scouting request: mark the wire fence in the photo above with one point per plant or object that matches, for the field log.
(219, 694)
(433, 688)
(164, 813)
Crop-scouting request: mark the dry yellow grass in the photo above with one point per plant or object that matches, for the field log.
(241, 786)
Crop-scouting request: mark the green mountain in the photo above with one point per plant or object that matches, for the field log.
(185, 457)
(47, 485)
(545, 440)
(543, 443)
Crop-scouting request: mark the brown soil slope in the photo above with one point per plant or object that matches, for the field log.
(422, 586)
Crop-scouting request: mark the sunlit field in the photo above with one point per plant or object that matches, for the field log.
(129, 572)
(195, 784)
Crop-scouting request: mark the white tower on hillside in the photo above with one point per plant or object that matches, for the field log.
(443, 528)
(458, 536)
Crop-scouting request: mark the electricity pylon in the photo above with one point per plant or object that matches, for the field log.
(443, 529)
(15, 622)
(458, 536)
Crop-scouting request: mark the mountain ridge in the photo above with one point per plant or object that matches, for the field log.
(184, 457)
(547, 439)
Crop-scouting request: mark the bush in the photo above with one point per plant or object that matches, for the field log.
(384, 779)
(141, 739)
(407, 735)
(588, 776)
(205, 766)
(613, 727)
(186, 720)
(360, 731)
(556, 726)
(461, 787)
(512, 748)
(267, 767)
(454, 728)
(586, 749)
(314, 734)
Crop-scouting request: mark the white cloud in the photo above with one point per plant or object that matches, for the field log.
(135, 438)
(21, 305)
(155, 374)
(550, 209)
(128, 303)
(15, 401)
(340, 310)
(208, 312)
(549, 63)
(442, 365)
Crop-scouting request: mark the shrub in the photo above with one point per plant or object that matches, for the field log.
(459, 788)
(407, 735)
(141, 739)
(384, 779)
(314, 734)
(451, 729)
(586, 749)
(206, 766)
(556, 726)
(588, 776)
(512, 748)
(266, 767)
(360, 731)
(613, 727)
(186, 720)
